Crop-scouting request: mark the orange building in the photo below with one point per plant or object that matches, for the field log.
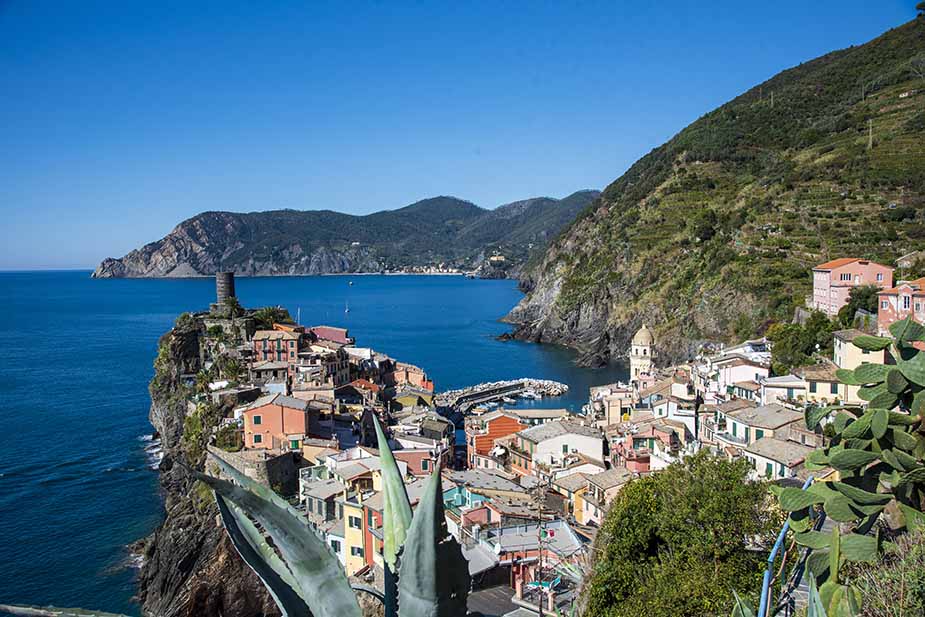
(482, 431)
(276, 422)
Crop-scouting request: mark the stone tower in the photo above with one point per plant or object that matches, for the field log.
(224, 287)
(641, 353)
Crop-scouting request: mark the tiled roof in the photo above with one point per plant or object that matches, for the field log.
(550, 430)
(477, 479)
(572, 482)
(278, 399)
(771, 416)
(789, 453)
(848, 335)
(611, 478)
(330, 333)
(917, 285)
(823, 371)
(276, 335)
(836, 263)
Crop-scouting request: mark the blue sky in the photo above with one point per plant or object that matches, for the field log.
(120, 119)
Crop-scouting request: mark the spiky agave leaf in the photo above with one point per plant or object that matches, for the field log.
(314, 567)
(741, 608)
(395, 504)
(53, 611)
(434, 575)
(263, 560)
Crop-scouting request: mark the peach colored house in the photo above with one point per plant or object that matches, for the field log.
(276, 422)
(833, 280)
(482, 431)
(895, 303)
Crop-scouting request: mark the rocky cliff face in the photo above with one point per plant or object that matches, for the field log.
(713, 234)
(190, 567)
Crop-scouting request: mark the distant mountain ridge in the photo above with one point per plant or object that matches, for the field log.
(439, 230)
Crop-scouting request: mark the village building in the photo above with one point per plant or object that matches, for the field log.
(906, 299)
(822, 385)
(783, 389)
(745, 426)
(712, 424)
(482, 431)
(775, 458)
(278, 422)
(833, 281)
(647, 446)
(544, 448)
(602, 488)
(848, 356)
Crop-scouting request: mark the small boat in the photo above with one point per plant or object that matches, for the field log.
(346, 307)
(508, 400)
(350, 283)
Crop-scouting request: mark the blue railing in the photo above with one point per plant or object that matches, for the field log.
(766, 581)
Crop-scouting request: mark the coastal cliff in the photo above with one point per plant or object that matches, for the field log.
(713, 234)
(440, 231)
(190, 568)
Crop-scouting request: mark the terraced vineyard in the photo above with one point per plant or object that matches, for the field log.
(712, 234)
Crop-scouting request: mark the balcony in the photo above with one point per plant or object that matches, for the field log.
(729, 438)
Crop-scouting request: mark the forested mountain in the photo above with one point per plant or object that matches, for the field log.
(429, 232)
(713, 234)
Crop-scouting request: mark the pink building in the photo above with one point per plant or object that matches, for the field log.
(833, 280)
(907, 298)
(276, 422)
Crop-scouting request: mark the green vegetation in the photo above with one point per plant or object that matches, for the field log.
(863, 298)
(729, 216)
(879, 454)
(795, 344)
(895, 585)
(674, 543)
(265, 317)
(229, 439)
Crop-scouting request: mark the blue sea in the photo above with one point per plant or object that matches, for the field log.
(76, 477)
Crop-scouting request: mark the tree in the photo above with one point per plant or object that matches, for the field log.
(668, 538)
(920, 7)
(794, 345)
(269, 315)
(863, 297)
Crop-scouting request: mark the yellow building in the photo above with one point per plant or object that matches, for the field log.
(847, 356)
(354, 555)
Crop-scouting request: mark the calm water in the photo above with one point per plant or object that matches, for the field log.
(76, 484)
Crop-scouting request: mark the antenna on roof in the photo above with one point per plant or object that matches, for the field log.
(298, 318)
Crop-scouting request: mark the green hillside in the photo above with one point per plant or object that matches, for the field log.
(713, 233)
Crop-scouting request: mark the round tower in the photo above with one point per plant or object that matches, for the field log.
(224, 287)
(641, 353)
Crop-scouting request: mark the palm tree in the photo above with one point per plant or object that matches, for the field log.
(269, 315)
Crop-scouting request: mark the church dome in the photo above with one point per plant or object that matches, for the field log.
(643, 337)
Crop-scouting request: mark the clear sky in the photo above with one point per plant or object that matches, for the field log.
(119, 119)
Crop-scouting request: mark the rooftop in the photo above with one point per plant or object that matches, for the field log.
(771, 416)
(823, 371)
(611, 478)
(572, 482)
(277, 399)
(476, 479)
(276, 335)
(323, 489)
(551, 430)
(790, 453)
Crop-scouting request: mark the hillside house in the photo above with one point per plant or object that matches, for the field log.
(277, 422)
(745, 426)
(602, 488)
(775, 458)
(482, 431)
(847, 356)
(906, 299)
(833, 280)
(543, 448)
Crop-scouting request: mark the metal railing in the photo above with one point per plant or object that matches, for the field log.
(766, 581)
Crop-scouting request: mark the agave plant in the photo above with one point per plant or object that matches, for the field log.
(426, 573)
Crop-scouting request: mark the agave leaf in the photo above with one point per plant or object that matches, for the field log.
(858, 427)
(839, 508)
(834, 554)
(815, 608)
(262, 559)
(902, 419)
(895, 382)
(871, 343)
(884, 400)
(816, 460)
(818, 564)
(741, 607)
(314, 567)
(261, 490)
(396, 507)
(53, 611)
(434, 575)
